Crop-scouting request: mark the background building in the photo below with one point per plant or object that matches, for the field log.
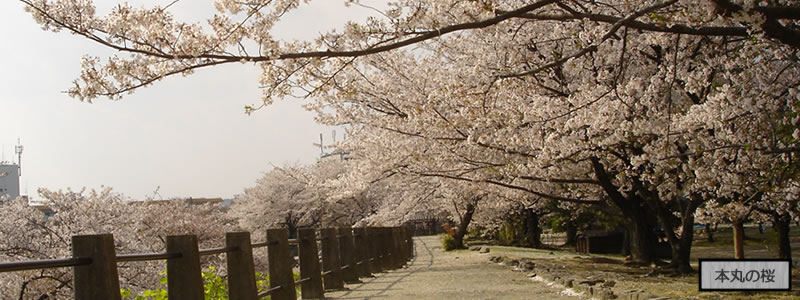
(9, 180)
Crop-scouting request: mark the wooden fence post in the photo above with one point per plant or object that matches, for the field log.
(280, 268)
(393, 243)
(389, 247)
(330, 260)
(395, 250)
(99, 279)
(362, 251)
(400, 258)
(386, 245)
(403, 242)
(374, 242)
(184, 280)
(241, 272)
(409, 244)
(347, 255)
(309, 265)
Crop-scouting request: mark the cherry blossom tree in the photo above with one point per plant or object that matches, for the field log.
(643, 105)
(282, 197)
(647, 137)
(783, 207)
(398, 197)
(296, 196)
(138, 227)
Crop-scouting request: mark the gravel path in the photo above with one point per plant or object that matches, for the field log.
(435, 274)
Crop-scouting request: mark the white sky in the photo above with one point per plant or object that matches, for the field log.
(188, 135)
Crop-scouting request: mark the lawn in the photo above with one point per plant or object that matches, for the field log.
(757, 245)
(569, 264)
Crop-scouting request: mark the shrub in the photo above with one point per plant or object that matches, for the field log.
(448, 242)
(216, 287)
(511, 232)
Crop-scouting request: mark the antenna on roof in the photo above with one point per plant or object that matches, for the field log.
(18, 150)
(321, 146)
(155, 192)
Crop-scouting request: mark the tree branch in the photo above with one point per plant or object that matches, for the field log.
(593, 46)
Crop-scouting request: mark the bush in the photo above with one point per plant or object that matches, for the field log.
(216, 287)
(477, 232)
(511, 232)
(448, 242)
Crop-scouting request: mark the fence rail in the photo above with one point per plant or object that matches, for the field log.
(347, 254)
(44, 264)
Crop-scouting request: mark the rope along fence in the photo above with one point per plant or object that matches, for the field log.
(346, 255)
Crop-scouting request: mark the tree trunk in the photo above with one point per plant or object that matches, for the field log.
(639, 221)
(709, 234)
(572, 233)
(782, 222)
(626, 243)
(681, 256)
(738, 240)
(533, 233)
(462, 227)
(642, 238)
(680, 247)
(292, 228)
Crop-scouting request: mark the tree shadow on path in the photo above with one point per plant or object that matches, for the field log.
(403, 273)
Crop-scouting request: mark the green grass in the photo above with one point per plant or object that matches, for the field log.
(610, 266)
(724, 237)
(756, 245)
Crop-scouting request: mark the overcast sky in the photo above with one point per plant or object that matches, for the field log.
(188, 135)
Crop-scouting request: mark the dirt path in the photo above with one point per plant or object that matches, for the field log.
(435, 274)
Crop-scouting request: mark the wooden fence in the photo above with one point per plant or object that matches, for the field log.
(346, 255)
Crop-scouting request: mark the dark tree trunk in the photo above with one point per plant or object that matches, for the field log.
(626, 243)
(782, 222)
(639, 221)
(709, 234)
(292, 228)
(680, 247)
(738, 240)
(290, 221)
(572, 233)
(533, 233)
(681, 256)
(643, 239)
(462, 227)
